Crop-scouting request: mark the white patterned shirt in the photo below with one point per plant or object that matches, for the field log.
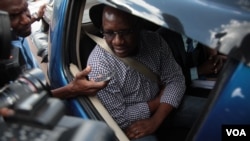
(128, 91)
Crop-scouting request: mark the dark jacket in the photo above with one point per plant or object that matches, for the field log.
(184, 59)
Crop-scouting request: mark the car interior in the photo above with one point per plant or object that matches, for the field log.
(78, 59)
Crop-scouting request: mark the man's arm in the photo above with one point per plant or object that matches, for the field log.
(148, 126)
(154, 103)
(172, 94)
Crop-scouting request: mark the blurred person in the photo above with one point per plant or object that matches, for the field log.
(21, 20)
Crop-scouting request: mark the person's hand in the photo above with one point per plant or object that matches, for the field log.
(219, 61)
(40, 11)
(146, 127)
(39, 14)
(80, 86)
(141, 128)
(212, 66)
(6, 112)
(206, 68)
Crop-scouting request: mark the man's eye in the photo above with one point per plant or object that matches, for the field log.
(109, 33)
(13, 16)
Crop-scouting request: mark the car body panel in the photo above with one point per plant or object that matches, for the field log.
(229, 106)
(56, 74)
(56, 38)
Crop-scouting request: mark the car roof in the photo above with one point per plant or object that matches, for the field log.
(220, 24)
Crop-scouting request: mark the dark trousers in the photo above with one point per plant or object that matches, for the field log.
(178, 124)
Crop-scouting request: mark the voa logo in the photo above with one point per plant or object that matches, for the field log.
(236, 132)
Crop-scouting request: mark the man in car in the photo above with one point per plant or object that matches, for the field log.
(197, 61)
(138, 104)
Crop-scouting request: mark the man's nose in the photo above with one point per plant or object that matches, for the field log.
(118, 39)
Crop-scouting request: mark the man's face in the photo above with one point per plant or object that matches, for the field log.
(19, 14)
(119, 32)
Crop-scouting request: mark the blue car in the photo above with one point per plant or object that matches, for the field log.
(223, 25)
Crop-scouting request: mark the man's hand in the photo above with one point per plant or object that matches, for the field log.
(80, 86)
(39, 14)
(41, 11)
(6, 112)
(213, 65)
(141, 128)
(89, 87)
(219, 61)
(206, 68)
(148, 126)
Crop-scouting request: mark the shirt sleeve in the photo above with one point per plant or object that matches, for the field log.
(30, 60)
(171, 76)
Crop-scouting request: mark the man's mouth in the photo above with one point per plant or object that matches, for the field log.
(120, 50)
(27, 28)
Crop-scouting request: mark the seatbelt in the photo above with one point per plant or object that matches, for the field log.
(141, 68)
